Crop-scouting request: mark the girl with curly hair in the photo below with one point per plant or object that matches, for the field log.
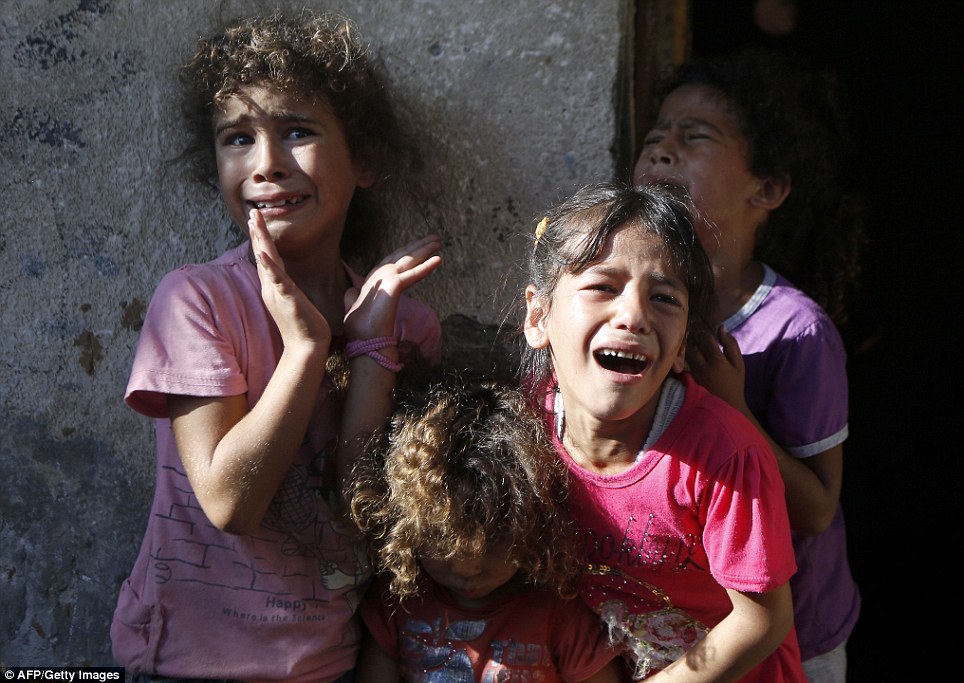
(462, 508)
(249, 569)
(759, 142)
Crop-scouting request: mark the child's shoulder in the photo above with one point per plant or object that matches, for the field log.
(706, 420)
(713, 440)
(230, 265)
(779, 309)
(795, 301)
(235, 256)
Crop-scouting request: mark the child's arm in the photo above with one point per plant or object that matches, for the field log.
(236, 459)
(610, 673)
(812, 484)
(371, 314)
(374, 664)
(757, 625)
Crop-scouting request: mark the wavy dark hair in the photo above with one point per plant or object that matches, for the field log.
(573, 234)
(317, 57)
(796, 124)
(463, 467)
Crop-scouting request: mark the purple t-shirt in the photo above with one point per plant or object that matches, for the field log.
(796, 386)
(279, 603)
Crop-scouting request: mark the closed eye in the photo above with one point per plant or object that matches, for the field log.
(600, 287)
(667, 299)
(700, 131)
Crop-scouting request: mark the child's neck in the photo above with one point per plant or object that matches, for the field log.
(734, 287)
(607, 448)
(509, 589)
(324, 281)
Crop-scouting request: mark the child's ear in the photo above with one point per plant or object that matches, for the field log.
(535, 322)
(364, 174)
(679, 363)
(771, 192)
(365, 168)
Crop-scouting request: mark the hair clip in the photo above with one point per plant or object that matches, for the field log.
(541, 229)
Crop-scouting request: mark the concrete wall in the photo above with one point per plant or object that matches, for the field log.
(521, 100)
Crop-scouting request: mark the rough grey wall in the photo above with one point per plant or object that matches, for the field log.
(520, 109)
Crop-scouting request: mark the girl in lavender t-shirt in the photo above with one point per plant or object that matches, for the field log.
(757, 144)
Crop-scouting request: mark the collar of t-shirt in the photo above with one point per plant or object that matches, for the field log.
(671, 397)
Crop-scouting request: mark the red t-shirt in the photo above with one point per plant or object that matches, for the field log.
(533, 635)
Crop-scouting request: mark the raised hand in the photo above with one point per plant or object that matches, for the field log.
(297, 318)
(371, 314)
(370, 311)
(717, 364)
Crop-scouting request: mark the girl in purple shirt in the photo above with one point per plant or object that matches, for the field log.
(757, 144)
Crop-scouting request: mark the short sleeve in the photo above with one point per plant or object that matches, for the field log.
(377, 610)
(807, 412)
(580, 642)
(183, 348)
(747, 530)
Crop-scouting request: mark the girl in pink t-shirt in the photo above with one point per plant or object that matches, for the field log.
(462, 506)
(249, 568)
(677, 497)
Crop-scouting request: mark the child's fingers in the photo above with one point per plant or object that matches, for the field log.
(703, 343)
(296, 317)
(413, 253)
(370, 311)
(351, 296)
(419, 272)
(731, 348)
(291, 310)
(267, 268)
(260, 239)
(271, 270)
(405, 266)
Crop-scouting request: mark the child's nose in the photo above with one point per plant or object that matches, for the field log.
(466, 569)
(659, 154)
(269, 161)
(631, 314)
(662, 153)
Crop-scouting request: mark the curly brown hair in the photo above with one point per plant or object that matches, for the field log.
(465, 467)
(317, 57)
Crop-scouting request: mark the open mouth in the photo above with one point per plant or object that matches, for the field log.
(474, 591)
(275, 205)
(621, 361)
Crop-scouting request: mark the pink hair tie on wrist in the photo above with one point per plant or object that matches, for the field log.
(369, 347)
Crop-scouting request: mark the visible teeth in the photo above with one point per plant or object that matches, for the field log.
(273, 205)
(622, 354)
